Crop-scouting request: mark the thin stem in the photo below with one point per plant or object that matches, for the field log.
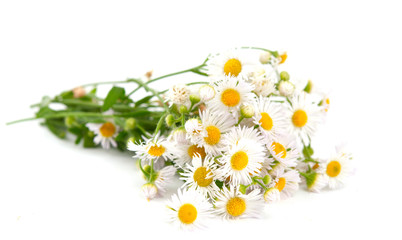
(159, 125)
(148, 89)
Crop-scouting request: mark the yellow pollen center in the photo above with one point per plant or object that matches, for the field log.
(214, 135)
(266, 121)
(230, 97)
(299, 118)
(280, 185)
(236, 206)
(107, 129)
(156, 150)
(327, 101)
(200, 177)
(333, 168)
(284, 56)
(232, 67)
(187, 213)
(278, 149)
(193, 150)
(239, 160)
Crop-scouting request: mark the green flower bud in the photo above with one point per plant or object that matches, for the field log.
(183, 109)
(130, 124)
(194, 99)
(147, 169)
(170, 120)
(309, 86)
(284, 76)
(267, 179)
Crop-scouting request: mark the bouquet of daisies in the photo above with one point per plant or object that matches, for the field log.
(238, 140)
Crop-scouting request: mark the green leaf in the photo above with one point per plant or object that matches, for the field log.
(57, 128)
(143, 100)
(219, 183)
(114, 94)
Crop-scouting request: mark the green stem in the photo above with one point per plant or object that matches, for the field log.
(159, 125)
(148, 89)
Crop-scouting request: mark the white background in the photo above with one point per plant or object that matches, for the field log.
(52, 189)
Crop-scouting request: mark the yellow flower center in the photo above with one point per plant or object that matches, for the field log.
(280, 185)
(299, 118)
(230, 97)
(284, 56)
(187, 213)
(266, 121)
(279, 149)
(194, 149)
(107, 129)
(156, 150)
(232, 67)
(214, 135)
(327, 101)
(239, 160)
(236, 206)
(200, 177)
(333, 168)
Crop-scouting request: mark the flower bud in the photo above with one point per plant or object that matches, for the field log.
(247, 111)
(79, 92)
(130, 124)
(284, 76)
(70, 121)
(283, 56)
(207, 92)
(149, 190)
(169, 120)
(183, 109)
(194, 99)
(265, 57)
(266, 179)
(286, 88)
(309, 86)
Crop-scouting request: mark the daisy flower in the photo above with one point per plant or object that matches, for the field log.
(149, 190)
(284, 150)
(268, 116)
(232, 204)
(231, 93)
(188, 209)
(303, 116)
(214, 125)
(152, 149)
(272, 195)
(242, 161)
(229, 63)
(185, 152)
(105, 133)
(206, 92)
(178, 136)
(337, 169)
(287, 182)
(201, 175)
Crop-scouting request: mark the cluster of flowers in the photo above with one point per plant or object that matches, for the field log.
(238, 142)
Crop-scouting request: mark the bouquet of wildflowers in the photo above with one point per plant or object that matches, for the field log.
(238, 140)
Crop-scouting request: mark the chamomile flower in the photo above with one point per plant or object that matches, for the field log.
(149, 190)
(232, 204)
(231, 93)
(269, 117)
(303, 116)
(201, 175)
(105, 133)
(206, 92)
(152, 149)
(178, 136)
(215, 124)
(229, 63)
(284, 150)
(185, 152)
(286, 181)
(188, 209)
(242, 161)
(337, 169)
